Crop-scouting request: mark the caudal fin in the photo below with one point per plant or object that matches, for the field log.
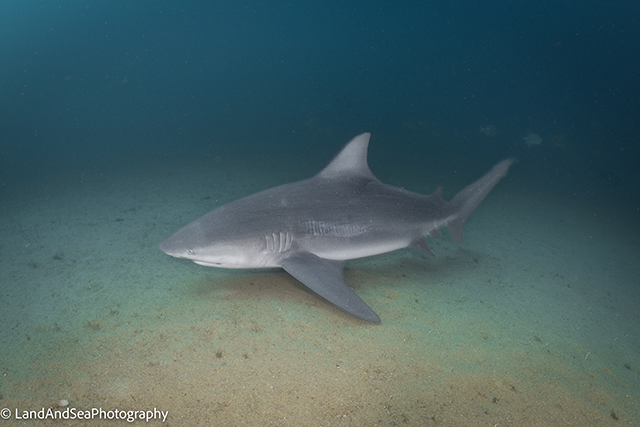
(469, 198)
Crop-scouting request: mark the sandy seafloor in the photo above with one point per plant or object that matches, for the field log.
(532, 320)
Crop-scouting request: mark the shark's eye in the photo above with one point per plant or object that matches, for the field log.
(190, 251)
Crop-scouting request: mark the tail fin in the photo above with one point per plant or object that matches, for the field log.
(469, 198)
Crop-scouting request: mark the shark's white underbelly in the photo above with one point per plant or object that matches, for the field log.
(345, 251)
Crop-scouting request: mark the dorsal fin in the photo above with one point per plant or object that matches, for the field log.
(351, 161)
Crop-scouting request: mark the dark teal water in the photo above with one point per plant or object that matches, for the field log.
(96, 84)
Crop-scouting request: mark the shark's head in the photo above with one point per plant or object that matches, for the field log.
(212, 247)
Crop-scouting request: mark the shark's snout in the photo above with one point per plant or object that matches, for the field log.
(172, 247)
(163, 247)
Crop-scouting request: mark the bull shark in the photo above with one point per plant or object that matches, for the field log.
(311, 227)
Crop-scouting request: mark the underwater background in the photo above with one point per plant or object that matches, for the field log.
(121, 121)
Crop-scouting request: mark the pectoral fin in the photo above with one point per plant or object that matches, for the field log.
(325, 278)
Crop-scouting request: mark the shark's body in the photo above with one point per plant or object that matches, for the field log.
(310, 227)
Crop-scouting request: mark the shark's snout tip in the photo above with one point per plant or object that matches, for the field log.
(164, 247)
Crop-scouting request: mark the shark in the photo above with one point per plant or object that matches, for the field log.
(311, 227)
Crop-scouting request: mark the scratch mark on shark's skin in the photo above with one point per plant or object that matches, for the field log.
(322, 228)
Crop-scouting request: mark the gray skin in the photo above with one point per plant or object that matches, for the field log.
(309, 228)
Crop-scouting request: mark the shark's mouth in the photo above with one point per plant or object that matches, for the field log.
(207, 263)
